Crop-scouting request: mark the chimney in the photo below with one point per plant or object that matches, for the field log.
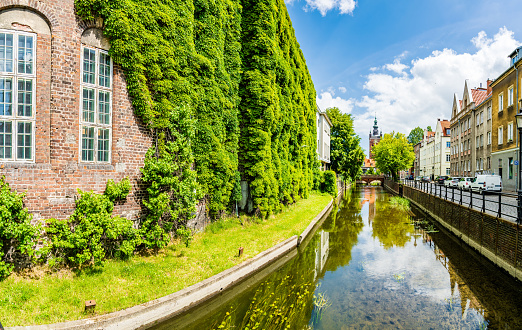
(438, 119)
(490, 89)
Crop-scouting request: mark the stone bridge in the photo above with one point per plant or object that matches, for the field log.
(369, 178)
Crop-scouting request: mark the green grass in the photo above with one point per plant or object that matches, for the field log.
(399, 202)
(41, 297)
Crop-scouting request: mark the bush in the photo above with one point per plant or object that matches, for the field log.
(330, 183)
(91, 234)
(117, 191)
(17, 236)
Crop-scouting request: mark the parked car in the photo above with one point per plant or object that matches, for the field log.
(452, 182)
(465, 183)
(410, 177)
(425, 179)
(485, 182)
(441, 179)
(418, 178)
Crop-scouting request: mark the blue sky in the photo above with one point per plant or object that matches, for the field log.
(402, 60)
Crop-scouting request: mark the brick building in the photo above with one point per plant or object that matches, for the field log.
(470, 130)
(375, 137)
(504, 151)
(66, 121)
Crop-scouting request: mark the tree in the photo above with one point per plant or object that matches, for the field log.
(429, 129)
(346, 154)
(415, 136)
(393, 153)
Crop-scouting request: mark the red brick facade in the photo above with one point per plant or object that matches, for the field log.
(51, 180)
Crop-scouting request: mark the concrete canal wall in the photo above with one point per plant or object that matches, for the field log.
(153, 312)
(494, 238)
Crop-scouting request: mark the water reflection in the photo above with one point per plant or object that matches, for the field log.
(372, 266)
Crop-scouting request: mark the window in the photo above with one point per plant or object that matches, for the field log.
(17, 95)
(500, 102)
(510, 168)
(489, 138)
(448, 171)
(448, 158)
(510, 132)
(96, 106)
(482, 140)
(448, 144)
(489, 112)
(482, 117)
(477, 119)
(478, 142)
(448, 131)
(510, 96)
(469, 122)
(478, 164)
(500, 135)
(489, 163)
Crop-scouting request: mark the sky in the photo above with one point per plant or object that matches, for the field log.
(402, 60)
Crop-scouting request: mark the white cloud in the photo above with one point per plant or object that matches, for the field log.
(423, 92)
(396, 66)
(324, 6)
(342, 89)
(327, 100)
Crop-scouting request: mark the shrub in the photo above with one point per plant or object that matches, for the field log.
(17, 235)
(117, 191)
(330, 183)
(91, 234)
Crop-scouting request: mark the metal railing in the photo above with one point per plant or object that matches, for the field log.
(499, 204)
(486, 221)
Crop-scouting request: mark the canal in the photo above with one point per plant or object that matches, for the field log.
(374, 263)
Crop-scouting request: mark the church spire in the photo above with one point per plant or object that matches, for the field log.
(375, 127)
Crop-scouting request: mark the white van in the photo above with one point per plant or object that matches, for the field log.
(483, 183)
(464, 183)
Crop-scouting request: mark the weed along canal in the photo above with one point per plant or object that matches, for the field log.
(374, 263)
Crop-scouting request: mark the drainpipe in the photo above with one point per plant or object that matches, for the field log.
(518, 141)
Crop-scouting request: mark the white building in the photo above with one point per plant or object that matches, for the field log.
(442, 149)
(324, 125)
(435, 151)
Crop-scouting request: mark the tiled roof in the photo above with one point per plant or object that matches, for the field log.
(369, 163)
(479, 95)
(445, 124)
(484, 100)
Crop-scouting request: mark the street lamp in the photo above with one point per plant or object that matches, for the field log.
(518, 116)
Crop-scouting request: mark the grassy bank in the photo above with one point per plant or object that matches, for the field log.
(42, 297)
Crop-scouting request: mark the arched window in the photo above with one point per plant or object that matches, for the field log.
(96, 99)
(17, 95)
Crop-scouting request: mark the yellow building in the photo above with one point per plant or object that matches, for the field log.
(505, 142)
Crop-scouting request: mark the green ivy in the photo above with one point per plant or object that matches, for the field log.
(202, 61)
(278, 106)
(17, 236)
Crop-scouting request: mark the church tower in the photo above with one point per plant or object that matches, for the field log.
(375, 136)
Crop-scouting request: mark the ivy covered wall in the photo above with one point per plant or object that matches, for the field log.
(224, 87)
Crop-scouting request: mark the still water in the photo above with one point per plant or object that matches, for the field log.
(373, 264)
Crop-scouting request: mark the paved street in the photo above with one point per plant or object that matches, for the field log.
(490, 201)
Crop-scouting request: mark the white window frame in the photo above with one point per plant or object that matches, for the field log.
(489, 138)
(510, 131)
(15, 119)
(500, 135)
(500, 102)
(97, 89)
(489, 113)
(510, 95)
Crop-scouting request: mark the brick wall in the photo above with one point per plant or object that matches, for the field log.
(57, 172)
